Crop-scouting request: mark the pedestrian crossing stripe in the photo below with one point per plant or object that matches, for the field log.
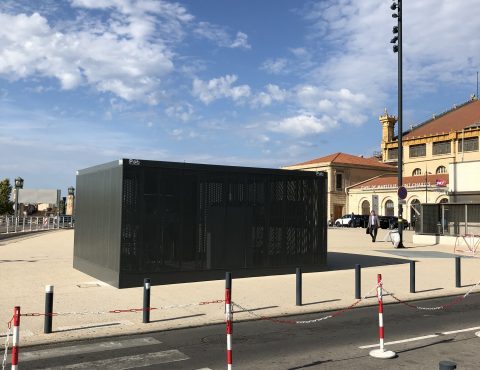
(87, 348)
(128, 362)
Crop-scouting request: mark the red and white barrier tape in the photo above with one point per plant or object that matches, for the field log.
(303, 322)
(452, 302)
(124, 310)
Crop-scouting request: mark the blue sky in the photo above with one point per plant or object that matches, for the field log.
(253, 83)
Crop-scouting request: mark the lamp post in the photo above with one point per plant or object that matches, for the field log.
(18, 186)
(397, 48)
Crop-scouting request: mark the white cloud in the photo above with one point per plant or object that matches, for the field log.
(218, 88)
(127, 53)
(183, 112)
(241, 41)
(272, 94)
(275, 66)
(357, 33)
(221, 37)
(303, 124)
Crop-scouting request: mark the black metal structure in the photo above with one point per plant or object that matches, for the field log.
(180, 222)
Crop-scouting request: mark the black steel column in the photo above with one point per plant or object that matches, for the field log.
(458, 273)
(447, 365)
(47, 324)
(412, 276)
(358, 282)
(299, 286)
(146, 301)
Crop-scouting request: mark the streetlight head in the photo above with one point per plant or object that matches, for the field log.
(394, 15)
(19, 183)
(393, 6)
(395, 48)
(394, 40)
(395, 29)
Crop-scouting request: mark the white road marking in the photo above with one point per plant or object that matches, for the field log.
(461, 330)
(400, 341)
(128, 362)
(87, 348)
(424, 337)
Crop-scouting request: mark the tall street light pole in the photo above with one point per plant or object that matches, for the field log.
(397, 48)
(18, 186)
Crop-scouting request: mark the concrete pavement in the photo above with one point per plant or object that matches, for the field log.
(30, 262)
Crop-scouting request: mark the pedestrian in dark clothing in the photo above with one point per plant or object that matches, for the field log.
(373, 225)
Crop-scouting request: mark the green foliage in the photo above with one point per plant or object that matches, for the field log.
(6, 206)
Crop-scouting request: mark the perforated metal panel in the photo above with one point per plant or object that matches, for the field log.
(180, 221)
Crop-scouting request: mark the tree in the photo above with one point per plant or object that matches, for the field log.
(6, 205)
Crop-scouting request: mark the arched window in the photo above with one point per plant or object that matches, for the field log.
(441, 169)
(443, 200)
(417, 172)
(365, 207)
(389, 208)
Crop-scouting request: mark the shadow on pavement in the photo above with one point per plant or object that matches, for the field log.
(427, 290)
(178, 318)
(345, 261)
(320, 302)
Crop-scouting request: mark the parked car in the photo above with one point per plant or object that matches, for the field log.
(349, 221)
(359, 221)
(343, 221)
(391, 222)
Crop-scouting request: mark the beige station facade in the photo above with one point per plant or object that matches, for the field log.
(441, 163)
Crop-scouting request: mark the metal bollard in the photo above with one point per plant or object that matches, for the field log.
(412, 276)
(299, 286)
(458, 275)
(358, 282)
(146, 301)
(447, 365)
(47, 324)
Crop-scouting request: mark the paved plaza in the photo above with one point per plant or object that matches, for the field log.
(30, 262)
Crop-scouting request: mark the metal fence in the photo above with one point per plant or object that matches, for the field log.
(448, 219)
(12, 224)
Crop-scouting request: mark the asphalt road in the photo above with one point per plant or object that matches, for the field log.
(330, 344)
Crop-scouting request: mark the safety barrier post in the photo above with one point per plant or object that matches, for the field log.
(458, 277)
(299, 286)
(146, 301)
(412, 276)
(381, 353)
(229, 317)
(16, 337)
(47, 324)
(447, 365)
(358, 282)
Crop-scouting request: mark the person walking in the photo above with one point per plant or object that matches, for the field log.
(373, 225)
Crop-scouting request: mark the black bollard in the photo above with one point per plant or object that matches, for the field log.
(447, 365)
(47, 323)
(458, 274)
(412, 276)
(299, 286)
(358, 282)
(146, 301)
